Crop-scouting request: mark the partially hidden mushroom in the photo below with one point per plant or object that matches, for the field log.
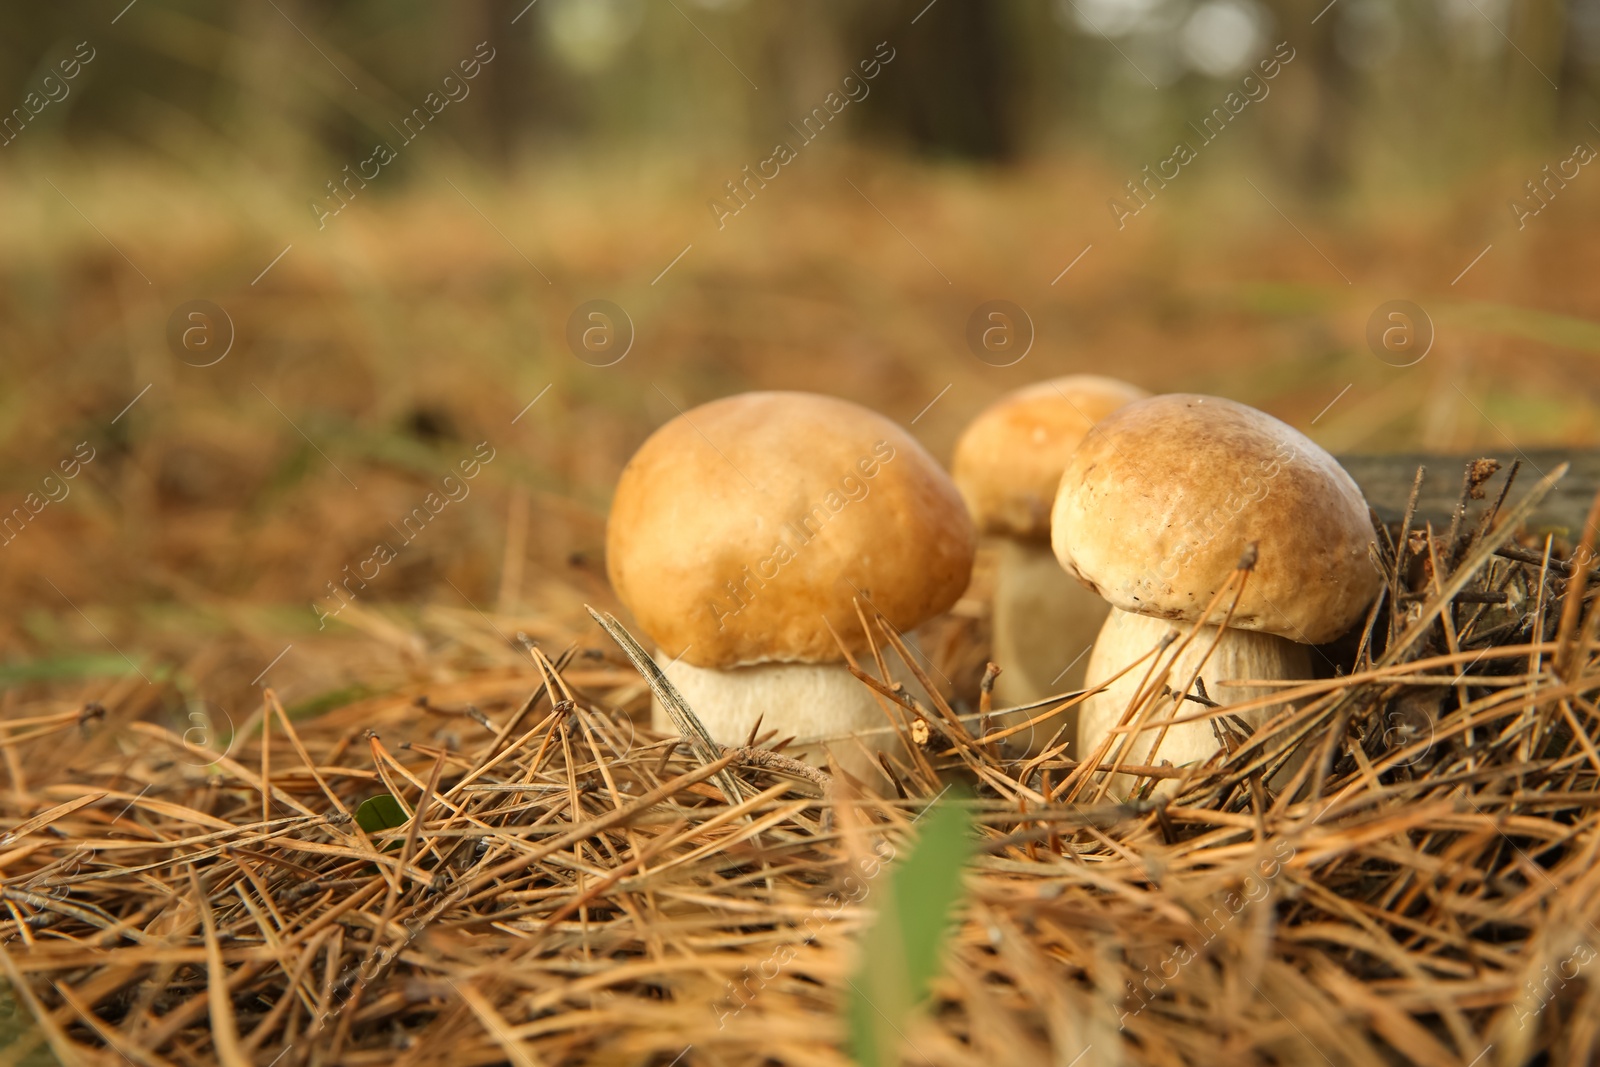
(1008, 464)
(741, 537)
(1157, 510)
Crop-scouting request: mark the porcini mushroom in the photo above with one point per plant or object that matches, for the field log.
(1008, 465)
(743, 529)
(1154, 512)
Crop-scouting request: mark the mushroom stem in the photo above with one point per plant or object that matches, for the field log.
(819, 704)
(1127, 637)
(1044, 622)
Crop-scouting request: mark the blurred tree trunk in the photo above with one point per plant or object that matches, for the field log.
(1324, 150)
(522, 95)
(272, 111)
(953, 88)
(1571, 37)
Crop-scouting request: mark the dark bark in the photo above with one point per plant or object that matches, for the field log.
(1386, 480)
(954, 88)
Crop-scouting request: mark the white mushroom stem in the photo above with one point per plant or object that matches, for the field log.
(1044, 622)
(1125, 638)
(816, 703)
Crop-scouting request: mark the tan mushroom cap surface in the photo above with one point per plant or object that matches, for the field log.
(1159, 502)
(740, 526)
(1008, 461)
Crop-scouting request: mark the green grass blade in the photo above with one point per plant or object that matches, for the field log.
(903, 950)
(64, 668)
(379, 813)
(20, 1036)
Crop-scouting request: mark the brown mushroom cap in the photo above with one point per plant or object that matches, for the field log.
(1008, 462)
(740, 526)
(1159, 502)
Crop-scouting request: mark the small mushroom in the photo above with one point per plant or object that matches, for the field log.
(741, 531)
(1155, 512)
(1008, 465)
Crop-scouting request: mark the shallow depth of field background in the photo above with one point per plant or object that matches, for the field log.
(373, 352)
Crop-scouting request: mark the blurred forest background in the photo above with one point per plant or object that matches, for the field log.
(382, 327)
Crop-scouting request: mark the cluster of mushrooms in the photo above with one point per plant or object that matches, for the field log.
(753, 536)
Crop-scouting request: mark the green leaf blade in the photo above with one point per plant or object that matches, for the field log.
(902, 953)
(379, 813)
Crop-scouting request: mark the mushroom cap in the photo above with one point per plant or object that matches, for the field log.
(1009, 460)
(1159, 503)
(742, 529)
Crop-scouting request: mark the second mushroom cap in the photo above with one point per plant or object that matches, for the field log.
(1163, 495)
